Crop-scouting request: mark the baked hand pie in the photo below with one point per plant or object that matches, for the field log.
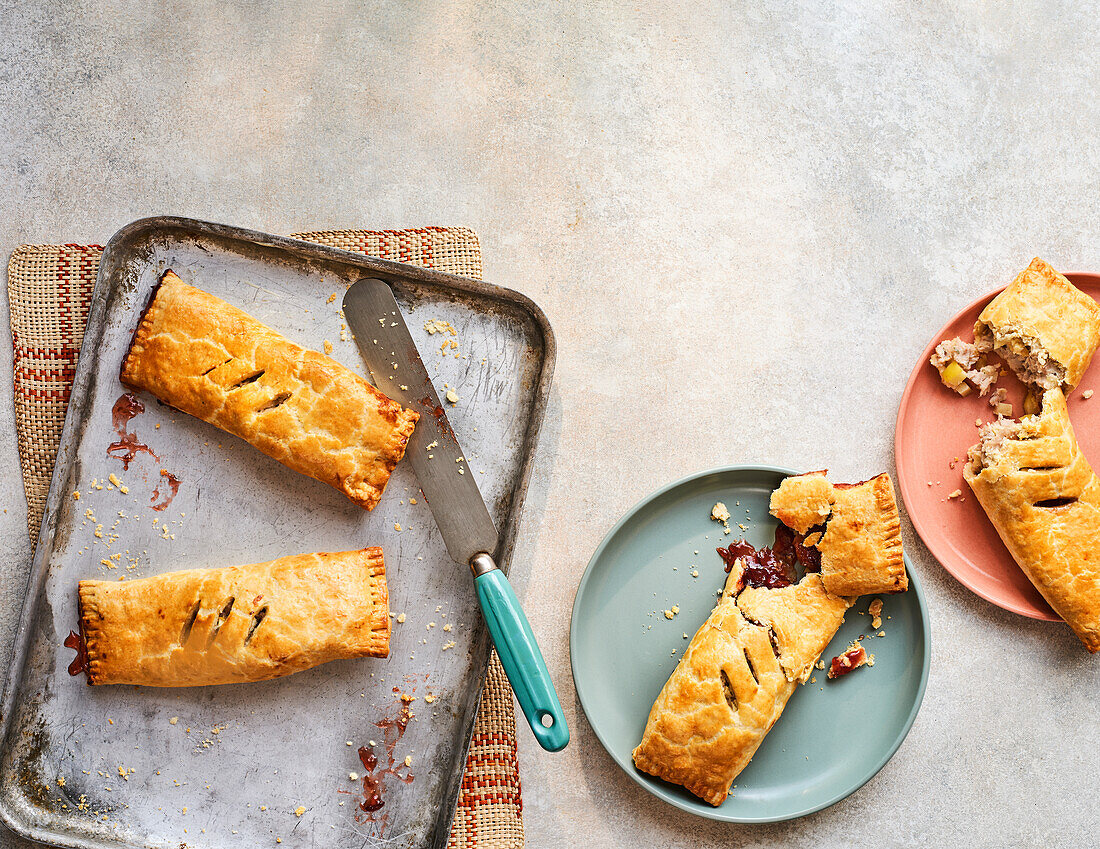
(205, 357)
(1043, 498)
(770, 627)
(236, 624)
(854, 527)
(1044, 327)
(733, 682)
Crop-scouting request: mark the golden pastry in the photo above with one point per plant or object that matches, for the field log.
(211, 360)
(1043, 498)
(770, 627)
(733, 682)
(855, 527)
(236, 624)
(1042, 326)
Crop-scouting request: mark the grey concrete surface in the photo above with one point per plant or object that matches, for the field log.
(744, 220)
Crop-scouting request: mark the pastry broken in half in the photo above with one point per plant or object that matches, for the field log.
(205, 357)
(854, 527)
(1044, 327)
(236, 624)
(1043, 498)
(732, 684)
(770, 627)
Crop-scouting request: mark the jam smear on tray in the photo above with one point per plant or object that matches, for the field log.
(170, 493)
(127, 447)
(773, 567)
(375, 775)
(80, 662)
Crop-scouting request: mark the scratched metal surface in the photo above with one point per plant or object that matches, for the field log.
(243, 765)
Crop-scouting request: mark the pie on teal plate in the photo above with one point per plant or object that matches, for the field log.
(833, 737)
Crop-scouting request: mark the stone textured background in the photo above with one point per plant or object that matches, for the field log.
(744, 221)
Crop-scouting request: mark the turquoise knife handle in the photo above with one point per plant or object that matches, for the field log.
(520, 655)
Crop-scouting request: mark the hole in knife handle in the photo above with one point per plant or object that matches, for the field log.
(257, 618)
(190, 623)
(244, 381)
(223, 615)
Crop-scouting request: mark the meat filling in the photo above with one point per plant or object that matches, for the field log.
(993, 437)
(958, 362)
(1023, 354)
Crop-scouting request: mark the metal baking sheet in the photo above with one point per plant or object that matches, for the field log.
(271, 762)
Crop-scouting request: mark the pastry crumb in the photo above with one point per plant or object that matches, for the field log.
(1086, 394)
(438, 325)
(400, 617)
(396, 526)
(452, 396)
(301, 809)
(875, 611)
(353, 776)
(76, 497)
(449, 645)
(408, 760)
(429, 698)
(328, 347)
(412, 501)
(955, 494)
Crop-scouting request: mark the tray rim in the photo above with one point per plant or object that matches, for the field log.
(114, 253)
(926, 534)
(669, 798)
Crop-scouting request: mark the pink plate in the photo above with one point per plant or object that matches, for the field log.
(936, 427)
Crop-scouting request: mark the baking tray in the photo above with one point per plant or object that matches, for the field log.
(257, 764)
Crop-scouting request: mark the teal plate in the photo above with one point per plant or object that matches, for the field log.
(623, 649)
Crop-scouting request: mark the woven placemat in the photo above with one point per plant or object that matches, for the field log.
(50, 289)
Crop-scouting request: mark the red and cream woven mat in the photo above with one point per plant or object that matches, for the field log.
(50, 289)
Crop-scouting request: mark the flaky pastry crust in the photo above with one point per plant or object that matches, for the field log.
(734, 681)
(861, 548)
(207, 358)
(1047, 314)
(236, 624)
(1043, 498)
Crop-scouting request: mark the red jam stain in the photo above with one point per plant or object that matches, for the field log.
(842, 664)
(791, 548)
(774, 567)
(762, 568)
(173, 487)
(80, 662)
(127, 447)
(375, 775)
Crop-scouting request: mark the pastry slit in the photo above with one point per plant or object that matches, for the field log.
(217, 365)
(752, 668)
(190, 623)
(727, 691)
(1054, 503)
(279, 399)
(251, 378)
(223, 615)
(257, 618)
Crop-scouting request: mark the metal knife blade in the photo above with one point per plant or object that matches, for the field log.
(433, 451)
